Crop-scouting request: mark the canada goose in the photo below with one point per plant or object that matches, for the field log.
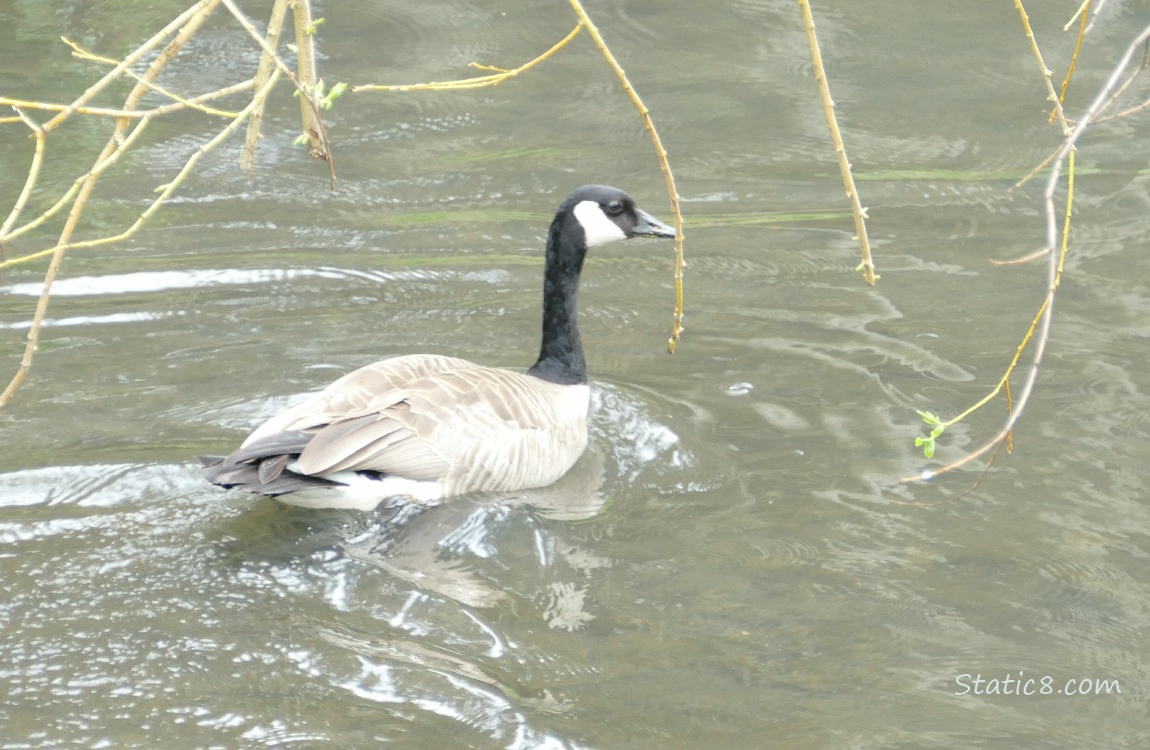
(426, 426)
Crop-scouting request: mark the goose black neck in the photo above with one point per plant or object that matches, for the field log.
(561, 353)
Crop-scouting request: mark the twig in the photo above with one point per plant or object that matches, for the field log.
(1096, 119)
(1023, 259)
(1122, 88)
(189, 23)
(857, 210)
(1030, 175)
(1097, 10)
(121, 146)
(283, 68)
(195, 11)
(29, 182)
(680, 262)
(1042, 320)
(263, 73)
(1052, 95)
(84, 54)
(958, 495)
(317, 143)
(1040, 327)
(1084, 9)
(93, 111)
(135, 114)
(165, 192)
(476, 82)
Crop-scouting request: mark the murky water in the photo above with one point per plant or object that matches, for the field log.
(733, 564)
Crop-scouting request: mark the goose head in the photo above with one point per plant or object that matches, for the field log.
(607, 214)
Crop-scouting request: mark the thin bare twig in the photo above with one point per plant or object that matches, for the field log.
(1084, 9)
(190, 23)
(498, 76)
(165, 191)
(857, 210)
(136, 114)
(136, 55)
(122, 145)
(83, 54)
(1122, 89)
(317, 143)
(1097, 9)
(958, 495)
(263, 73)
(29, 182)
(1097, 119)
(680, 262)
(1081, 12)
(1040, 327)
(1052, 95)
(41, 131)
(287, 72)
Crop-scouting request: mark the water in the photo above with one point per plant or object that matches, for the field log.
(733, 564)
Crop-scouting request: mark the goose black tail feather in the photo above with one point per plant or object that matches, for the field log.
(262, 466)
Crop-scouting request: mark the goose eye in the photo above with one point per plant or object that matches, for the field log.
(614, 208)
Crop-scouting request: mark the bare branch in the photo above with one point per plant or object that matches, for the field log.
(680, 262)
(1040, 326)
(190, 22)
(496, 78)
(317, 143)
(282, 66)
(857, 209)
(263, 73)
(1052, 95)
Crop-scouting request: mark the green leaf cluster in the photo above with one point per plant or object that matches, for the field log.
(937, 428)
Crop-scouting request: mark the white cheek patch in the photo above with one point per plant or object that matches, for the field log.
(599, 229)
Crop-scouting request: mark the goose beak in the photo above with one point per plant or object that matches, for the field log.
(649, 226)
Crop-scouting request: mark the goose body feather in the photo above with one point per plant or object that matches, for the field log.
(441, 419)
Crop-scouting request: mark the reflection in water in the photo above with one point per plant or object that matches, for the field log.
(405, 608)
(435, 550)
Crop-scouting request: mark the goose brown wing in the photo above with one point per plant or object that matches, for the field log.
(369, 390)
(468, 427)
